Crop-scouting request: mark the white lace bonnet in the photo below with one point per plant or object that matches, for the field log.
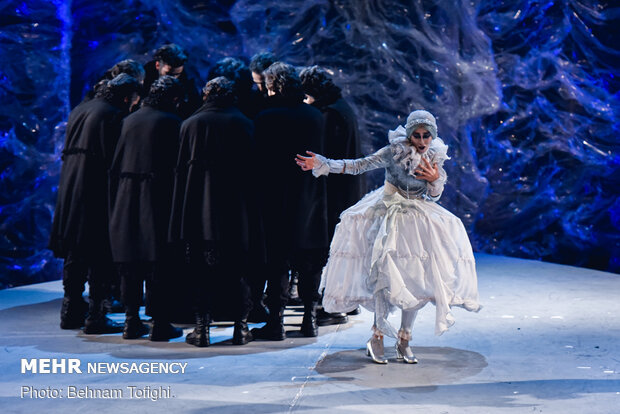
(421, 118)
(404, 153)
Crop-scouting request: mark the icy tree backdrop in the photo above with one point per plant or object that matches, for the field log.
(525, 93)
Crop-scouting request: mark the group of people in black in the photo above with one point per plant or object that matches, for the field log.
(200, 197)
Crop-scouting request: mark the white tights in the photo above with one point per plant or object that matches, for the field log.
(406, 325)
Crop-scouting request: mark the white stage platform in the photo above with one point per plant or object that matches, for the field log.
(546, 341)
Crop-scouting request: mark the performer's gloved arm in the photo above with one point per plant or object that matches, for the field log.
(323, 166)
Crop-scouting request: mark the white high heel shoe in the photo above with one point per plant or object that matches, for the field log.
(404, 353)
(374, 349)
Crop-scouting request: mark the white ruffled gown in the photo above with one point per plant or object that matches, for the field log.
(397, 248)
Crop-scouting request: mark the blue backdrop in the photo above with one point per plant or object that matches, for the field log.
(525, 93)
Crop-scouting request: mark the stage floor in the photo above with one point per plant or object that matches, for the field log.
(546, 341)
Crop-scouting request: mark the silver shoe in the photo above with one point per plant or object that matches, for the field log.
(404, 353)
(374, 349)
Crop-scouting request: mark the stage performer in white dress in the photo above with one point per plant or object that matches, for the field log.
(397, 248)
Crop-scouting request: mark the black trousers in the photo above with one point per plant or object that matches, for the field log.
(276, 274)
(78, 270)
(157, 277)
(219, 282)
(256, 280)
(308, 263)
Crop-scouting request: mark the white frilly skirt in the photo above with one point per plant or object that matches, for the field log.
(389, 253)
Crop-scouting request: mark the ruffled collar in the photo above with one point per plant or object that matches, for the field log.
(406, 155)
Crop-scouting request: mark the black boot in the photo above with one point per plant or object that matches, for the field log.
(163, 331)
(309, 326)
(326, 318)
(73, 313)
(241, 334)
(200, 335)
(101, 325)
(96, 322)
(134, 328)
(355, 311)
(273, 329)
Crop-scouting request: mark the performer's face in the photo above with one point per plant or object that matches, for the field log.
(309, 99)
(421, 139)
(165, 69)
(259, 81)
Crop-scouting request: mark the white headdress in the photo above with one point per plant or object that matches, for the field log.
(421, 118)
(405, 154)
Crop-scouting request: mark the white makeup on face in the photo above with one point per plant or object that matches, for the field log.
(309, 99)
(421, 139)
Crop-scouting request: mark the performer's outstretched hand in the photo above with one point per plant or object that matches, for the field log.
(306, 163)
(427, 172)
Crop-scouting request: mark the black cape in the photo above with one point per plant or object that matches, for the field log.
(252, 103)
(141, 182)
(341, 142)
(214, 203)
(80, 223)
(213, 194)
(293, 202)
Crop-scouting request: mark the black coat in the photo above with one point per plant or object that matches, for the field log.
(252, 103)
(80, 222)
(213, 195)
(294, 202)
(341, 142)
(141, 180)
(190, 101)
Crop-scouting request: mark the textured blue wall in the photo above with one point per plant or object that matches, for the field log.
(35, 43)
(524, 92)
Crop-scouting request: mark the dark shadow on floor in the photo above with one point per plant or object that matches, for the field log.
(436, 366)
(38, 325)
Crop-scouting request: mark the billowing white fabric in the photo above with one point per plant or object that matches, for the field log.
(391, 252)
